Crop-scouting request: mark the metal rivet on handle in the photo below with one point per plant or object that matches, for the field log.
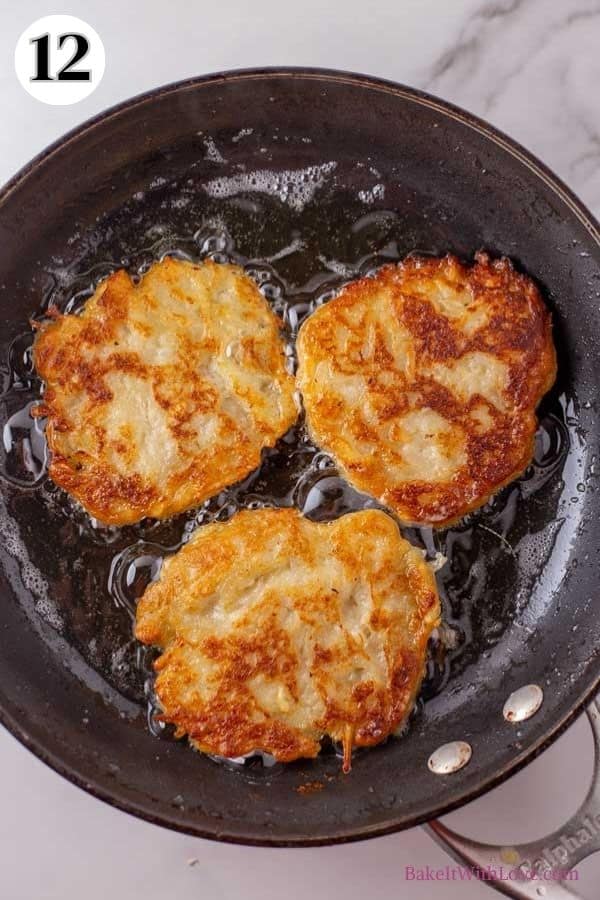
(523, 703)
(449, 758)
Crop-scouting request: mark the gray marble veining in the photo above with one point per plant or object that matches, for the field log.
(532, 68)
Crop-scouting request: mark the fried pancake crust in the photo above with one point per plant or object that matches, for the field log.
(422, 381)
(276, 630)
(161, 393)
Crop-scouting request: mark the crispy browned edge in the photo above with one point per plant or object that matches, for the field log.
(495, 458)
(223, 726)
(112, 498)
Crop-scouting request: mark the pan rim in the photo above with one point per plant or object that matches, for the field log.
(585, 217)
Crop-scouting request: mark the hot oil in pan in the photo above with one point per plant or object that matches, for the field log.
(91, 576)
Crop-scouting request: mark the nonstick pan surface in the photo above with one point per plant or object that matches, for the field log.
(308, 178)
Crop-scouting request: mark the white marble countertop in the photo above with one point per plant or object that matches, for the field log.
(531, 67)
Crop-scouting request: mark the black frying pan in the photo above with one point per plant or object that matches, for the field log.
(397, 171)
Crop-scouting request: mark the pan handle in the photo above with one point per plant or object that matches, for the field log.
(534, 867)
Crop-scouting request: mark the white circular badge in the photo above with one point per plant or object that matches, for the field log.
(59, 59)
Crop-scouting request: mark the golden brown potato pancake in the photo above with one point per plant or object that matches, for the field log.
(163, 392)
(422, 381)
(276, 631)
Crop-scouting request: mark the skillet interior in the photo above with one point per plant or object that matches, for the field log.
(396, 172)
